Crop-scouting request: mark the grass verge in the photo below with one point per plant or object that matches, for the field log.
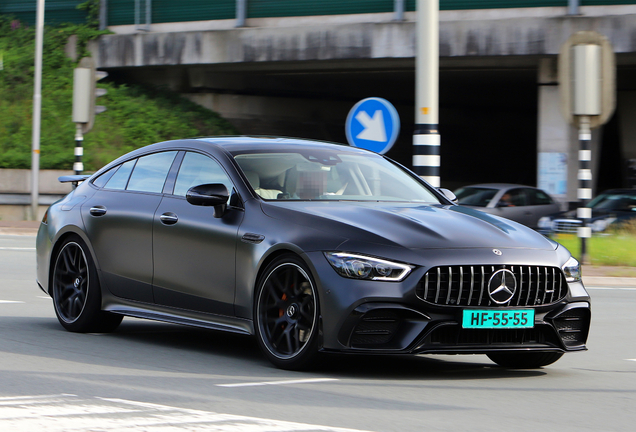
(615, 249)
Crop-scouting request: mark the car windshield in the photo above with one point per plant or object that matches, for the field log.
(618, 202)
(475, 196)
(318, 174)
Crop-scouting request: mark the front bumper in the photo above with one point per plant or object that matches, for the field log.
(386, 317)
(386, 328)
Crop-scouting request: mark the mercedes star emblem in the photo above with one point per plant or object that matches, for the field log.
(502, 286)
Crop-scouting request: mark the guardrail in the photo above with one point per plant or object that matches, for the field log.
(15, 192)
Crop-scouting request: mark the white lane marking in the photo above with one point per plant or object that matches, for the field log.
(69, 413)
(12, 400)
(10, 301)
(630, 359)
(44, 297)
(264, 383)
(17, 248)
(611, 288)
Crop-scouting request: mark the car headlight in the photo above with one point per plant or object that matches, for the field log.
(572, 270)
(544, 223)
(363, 267)
(599, 225)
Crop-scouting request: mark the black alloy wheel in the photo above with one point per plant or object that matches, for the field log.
(286, 314)
(524, 360)
(76, 293)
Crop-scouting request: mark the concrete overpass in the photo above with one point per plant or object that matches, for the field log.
(299, 76)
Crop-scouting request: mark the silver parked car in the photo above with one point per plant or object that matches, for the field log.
(523, 204)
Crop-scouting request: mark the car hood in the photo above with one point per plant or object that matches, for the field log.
(414, 226)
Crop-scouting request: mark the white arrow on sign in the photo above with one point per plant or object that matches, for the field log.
(373, 127)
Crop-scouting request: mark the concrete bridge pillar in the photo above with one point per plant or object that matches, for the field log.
(557, 140)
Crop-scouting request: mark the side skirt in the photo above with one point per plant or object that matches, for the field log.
(184, 317)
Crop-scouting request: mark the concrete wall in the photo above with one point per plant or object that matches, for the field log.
(521, 32)
(15, 192)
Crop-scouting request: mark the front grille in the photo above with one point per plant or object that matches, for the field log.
(568, 226)
(573, 326)
(453, 335)
(375, 327)
(468, 285)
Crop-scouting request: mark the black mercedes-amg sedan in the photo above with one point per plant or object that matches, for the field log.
(311, 247)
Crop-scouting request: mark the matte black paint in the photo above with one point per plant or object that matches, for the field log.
(202, 271)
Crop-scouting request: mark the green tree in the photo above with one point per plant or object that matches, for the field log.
(136, 115)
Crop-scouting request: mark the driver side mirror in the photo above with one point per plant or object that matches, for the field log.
(209, 195)
(449, 195)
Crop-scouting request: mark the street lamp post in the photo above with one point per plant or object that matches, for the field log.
(37, 110)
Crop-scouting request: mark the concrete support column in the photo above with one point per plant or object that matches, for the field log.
(626, 109)
(557, 141)
(553, 138)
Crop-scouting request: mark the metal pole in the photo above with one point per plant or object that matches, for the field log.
(78, 166)
(426, 139)
(103, 14)
(573, 7)
(584, 192)
(148, 14)
(241, 12)
(37, 112)
(398, 7)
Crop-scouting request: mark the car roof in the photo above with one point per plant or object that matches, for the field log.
(244, 143)
(499, 186)
(620, 191)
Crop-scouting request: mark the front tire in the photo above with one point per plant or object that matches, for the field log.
(525, 360)
(286, 314)
(76, 292)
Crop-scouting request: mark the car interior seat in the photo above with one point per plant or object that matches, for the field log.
(255, 181)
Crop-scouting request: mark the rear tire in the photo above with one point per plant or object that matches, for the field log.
(76, 293)
(525, 360)
(286, 314)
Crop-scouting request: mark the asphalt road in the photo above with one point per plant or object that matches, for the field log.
(151, 376)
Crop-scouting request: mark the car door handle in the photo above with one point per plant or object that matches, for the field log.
(168, 218)
(98, 211)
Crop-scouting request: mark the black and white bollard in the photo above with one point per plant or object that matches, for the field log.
(584, 193)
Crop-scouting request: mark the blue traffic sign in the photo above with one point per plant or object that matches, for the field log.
(373, 124)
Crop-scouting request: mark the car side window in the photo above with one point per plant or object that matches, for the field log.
(512, 198)
(150, 172)
(197, 169)
(101, 181)
(538, 197)
(119, 180)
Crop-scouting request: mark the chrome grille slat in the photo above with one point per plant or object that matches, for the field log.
(426, 286)
(447, 285)
(481, 292)
(566, 225)
(520, 285)
(439, 283)
(461, 285)
(536, 295)
(529, 285)
(450, 284)
(472, 284)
